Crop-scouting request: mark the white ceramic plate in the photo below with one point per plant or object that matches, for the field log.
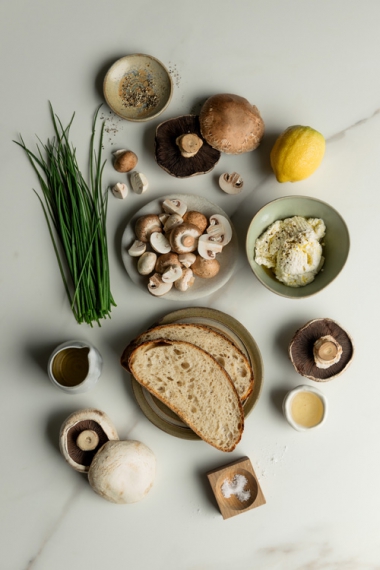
(202, 287)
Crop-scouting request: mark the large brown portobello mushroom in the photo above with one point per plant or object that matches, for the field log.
(321, 350)
(231, 124)
(180, 149)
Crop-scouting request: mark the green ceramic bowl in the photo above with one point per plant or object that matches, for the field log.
(335, 249)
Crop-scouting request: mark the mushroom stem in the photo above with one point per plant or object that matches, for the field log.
(189, 144)
(327, 351)
(87, 440)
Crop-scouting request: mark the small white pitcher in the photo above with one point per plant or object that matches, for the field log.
(75, 366)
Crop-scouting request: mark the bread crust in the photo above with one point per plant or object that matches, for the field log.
(162, 329)
(180, 412)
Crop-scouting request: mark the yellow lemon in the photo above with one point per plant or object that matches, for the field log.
(297, 153)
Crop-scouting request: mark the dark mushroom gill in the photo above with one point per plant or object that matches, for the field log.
(167, 152)
(84, 457)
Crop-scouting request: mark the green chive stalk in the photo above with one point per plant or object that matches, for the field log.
(76, 214)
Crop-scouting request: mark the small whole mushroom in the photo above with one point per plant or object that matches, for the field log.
(184, 238)
(146, 263)
(205, 268)
(146, 225)
(125, 160)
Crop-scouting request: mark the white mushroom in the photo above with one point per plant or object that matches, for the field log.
(120, 190)
(185, 281)
(159, 242)
(231, 183)
(146, 225)
(123, 471)
(146, 263)
(172, 221)
(139, 182)
(174, 207)
(81, 434)
(219, 229)
(137, 248)
(208, 248)
(157, 287)
(171, 274)
(186, 259)
(184, 238)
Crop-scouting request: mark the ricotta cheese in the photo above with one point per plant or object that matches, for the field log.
(292, 248)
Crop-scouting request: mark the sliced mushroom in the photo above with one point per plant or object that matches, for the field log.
(184, 238)
(208, 248)
(231, 124)
(157, 287)
(197, 219)
(205, 268)
(231, 183)
(174, 207)
(137, 248)
(321, 350)
(82, 434)
(125, 160)
(220, 229)
(172, 273)
(185, 281)
(139, 182)
(187, 259)
(180, 149)
(172, 221)
(163, 217)
(146, 263)
(146, 225)
(166, 260)
(159, 242)
(120, 190)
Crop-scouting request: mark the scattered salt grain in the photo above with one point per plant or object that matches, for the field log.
(236, 487)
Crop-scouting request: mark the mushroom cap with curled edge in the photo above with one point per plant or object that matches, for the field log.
(303, 354)
(181, 162)
(205, 268)
(184, 238)
(231, 124)
(123, 472)
(81, 436)
(146, 225)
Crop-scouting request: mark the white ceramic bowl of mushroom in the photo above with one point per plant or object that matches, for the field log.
(180, 247)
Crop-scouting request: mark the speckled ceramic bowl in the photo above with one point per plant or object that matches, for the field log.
(335, 249)
(138, 87)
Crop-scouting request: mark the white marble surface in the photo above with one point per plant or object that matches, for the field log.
(314, 63)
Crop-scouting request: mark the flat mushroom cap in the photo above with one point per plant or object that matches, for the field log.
(231, 124)
(168, 154)
(301, 349)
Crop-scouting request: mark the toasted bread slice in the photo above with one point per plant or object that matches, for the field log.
(191, 383)
(219, 346)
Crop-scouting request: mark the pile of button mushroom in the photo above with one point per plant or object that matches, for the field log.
(178, 245)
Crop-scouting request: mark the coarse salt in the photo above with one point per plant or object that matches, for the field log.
(236, 487)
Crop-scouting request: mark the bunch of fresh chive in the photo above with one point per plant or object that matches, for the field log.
(78, 212)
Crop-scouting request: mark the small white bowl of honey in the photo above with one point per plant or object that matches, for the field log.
(305, 408)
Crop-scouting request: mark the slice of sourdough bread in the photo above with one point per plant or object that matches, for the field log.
(219, 346)
(191, 383)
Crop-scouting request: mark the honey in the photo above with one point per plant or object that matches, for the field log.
(307, 409)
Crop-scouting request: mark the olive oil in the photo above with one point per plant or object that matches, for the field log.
(307, 409)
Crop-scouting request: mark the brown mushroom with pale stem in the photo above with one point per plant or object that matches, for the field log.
(230, 124)
(166, 260)
(184, 238)
(157, 286)
(321, 350)
(146, 225)
(197, 219)
(180, 149)
(82, 434)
